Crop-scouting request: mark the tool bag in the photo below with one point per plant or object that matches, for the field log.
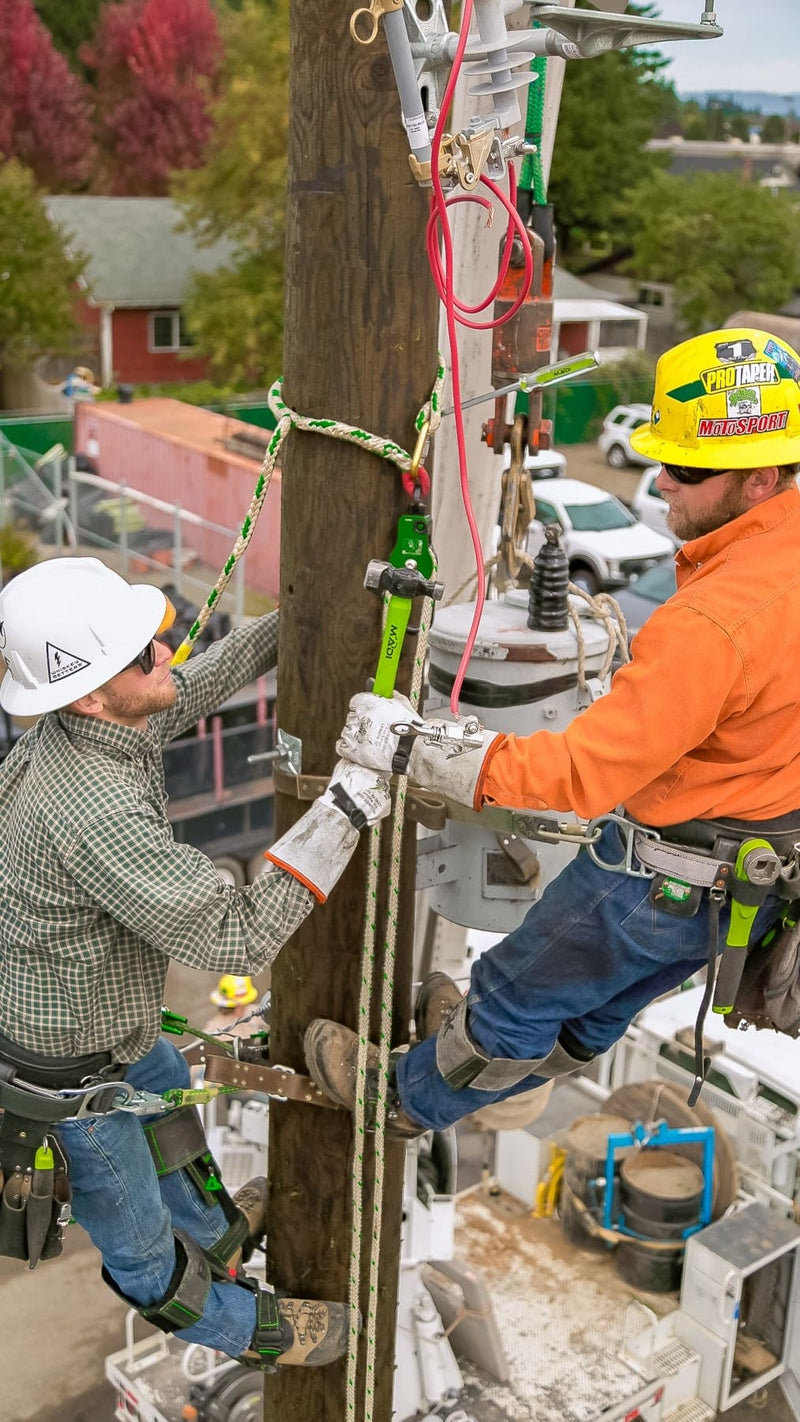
(37, 1092)
(769, 993)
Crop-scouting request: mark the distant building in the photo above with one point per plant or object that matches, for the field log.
(771, 165)
(588, 319)
(140, 268)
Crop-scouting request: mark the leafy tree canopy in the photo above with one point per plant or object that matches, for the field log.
(37, 277)
(725, 244)
(44, 111)
(236, 315)
(610, 108)
(155, 63)
(70, 22)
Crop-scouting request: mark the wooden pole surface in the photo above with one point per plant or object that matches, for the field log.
(360, 346)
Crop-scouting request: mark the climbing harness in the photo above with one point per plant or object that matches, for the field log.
(730, 861)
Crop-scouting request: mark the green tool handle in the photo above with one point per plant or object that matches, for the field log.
(734, 957)
(173, 1023)
(398, 615)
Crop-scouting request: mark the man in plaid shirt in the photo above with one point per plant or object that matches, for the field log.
(98, 897)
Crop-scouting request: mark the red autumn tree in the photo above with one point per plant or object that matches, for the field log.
(44, 107)
(155, 63)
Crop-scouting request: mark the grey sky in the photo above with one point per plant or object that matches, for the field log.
(760, 48)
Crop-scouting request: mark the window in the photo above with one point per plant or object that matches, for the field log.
(168, 331)
(650, 296)
(599, 517)
(546, 513)
(618, 333)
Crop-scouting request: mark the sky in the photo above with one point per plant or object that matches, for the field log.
(760, 47)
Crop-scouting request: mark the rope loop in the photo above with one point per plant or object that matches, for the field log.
(429, 415)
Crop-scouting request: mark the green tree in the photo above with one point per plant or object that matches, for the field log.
(70, 24)
(610, 108)
(773, 129)
(37, 277)
(724, 244)
(236, 315)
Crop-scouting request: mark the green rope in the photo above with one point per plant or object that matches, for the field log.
(288, 419)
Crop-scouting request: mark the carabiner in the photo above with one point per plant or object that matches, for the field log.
(627, 830)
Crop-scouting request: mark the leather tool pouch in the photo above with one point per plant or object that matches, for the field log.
(34, 1204)
(769, 993)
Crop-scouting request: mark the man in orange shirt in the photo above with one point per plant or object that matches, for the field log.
(696, 740)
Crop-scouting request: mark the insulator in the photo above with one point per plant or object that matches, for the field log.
(548, 610)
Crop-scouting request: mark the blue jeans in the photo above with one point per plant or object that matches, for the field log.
(587, 957)
(130, 1213)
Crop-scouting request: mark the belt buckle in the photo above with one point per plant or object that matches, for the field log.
(87, 1095)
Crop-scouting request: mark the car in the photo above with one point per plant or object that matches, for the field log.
(615, 436)
(647, 593)
(649, 504)
(606, 545)
(547, 464)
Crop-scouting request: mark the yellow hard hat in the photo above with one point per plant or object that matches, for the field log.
(726, 400)
(233, 992)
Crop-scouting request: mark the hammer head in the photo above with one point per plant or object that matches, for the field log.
(400, 582)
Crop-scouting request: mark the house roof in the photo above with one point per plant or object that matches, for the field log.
(136, 255)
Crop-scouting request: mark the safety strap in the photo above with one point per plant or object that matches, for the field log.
(184, 1298)
(678, 860)
(178, 1142)
(463, 1063)
(269, 1339)
(278, 1082)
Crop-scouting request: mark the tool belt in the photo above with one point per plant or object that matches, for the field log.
(699, 847)
(36, 1093)
(740, 860)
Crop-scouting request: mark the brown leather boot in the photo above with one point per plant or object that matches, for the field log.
(251, 1200)
(437, 998)
(296, 1332)
(332, 1060)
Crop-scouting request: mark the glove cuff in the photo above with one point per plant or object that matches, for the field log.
(317, 849)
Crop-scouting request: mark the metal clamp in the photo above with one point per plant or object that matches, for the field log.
(374, 13)
(628, 830)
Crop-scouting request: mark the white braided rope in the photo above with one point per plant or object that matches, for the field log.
(429, 415)
(384, 1040)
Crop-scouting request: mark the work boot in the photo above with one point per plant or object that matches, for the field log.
(332, 1060)
(251, 1200)
(437, 999)
(296, 1332)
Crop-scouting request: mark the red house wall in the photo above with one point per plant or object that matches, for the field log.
(573, 337)
(135, 364)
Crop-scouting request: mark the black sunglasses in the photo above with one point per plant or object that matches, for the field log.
(682, 475)
(146, 658)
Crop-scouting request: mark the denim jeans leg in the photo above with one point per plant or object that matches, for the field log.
(117, 1199)
(589, 954)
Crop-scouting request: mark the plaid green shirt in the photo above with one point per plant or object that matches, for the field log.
(96, 894)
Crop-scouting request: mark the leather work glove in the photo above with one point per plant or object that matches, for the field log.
(318, 848)
(441, 755)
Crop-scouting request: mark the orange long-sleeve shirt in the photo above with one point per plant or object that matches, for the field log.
(705, 720)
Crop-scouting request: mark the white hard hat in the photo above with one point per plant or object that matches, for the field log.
(66, 627)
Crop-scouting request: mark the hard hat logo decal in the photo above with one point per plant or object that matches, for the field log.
(746, 425)
(61, 664)
(2, 635)
(744, 402)
(731, 377)
(735, 350)
(786, 361)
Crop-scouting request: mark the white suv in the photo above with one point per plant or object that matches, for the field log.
(615, 441)
(606, 546)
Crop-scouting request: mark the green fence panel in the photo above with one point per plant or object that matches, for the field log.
(38, 432)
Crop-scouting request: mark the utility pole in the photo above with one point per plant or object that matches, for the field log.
(360, 346)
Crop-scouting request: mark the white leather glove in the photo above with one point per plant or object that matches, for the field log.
(318, 848)
(439, 755)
